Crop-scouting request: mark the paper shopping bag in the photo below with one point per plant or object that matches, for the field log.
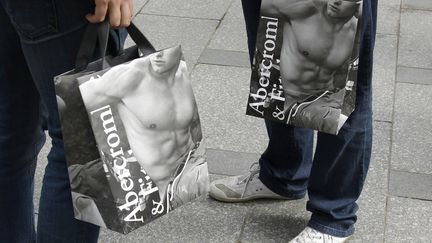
(132, 136)
(304, 72)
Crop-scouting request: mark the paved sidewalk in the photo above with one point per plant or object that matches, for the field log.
(396, 204)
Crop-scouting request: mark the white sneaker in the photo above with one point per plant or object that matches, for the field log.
(242, 188)
(310, 235)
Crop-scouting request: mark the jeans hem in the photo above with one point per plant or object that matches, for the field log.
(314, 224)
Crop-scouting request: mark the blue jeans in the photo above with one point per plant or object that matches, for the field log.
(334, 177)
(39, 39)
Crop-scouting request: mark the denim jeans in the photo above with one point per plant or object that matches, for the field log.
(335, 176)
(39, 39)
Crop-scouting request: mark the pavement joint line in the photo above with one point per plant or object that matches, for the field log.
(232, 151)
(142, 7)
(416, 9)
(386, 208)
(411, 172)
(423, 10)
(412, 198)
(245, 220)
(223, 50)
(383, 121)
(214, 33)
(423, 68)
(379, 34)
(385, 34)
(175, 16)
(413, 83)
(223, 17)
(222, 65)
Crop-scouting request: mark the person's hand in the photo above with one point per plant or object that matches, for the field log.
(119, 12)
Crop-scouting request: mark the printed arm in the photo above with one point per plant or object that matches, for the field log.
(289, 9)
(195, 126)
(111, 87)
(195, 129)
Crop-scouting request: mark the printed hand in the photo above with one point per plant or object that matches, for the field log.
(119, 11)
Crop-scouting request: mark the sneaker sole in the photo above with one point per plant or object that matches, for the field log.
(244, 199)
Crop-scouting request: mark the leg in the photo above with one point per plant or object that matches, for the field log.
(286, 164)
(50, 33)
(341, 162)
(56, 221)
(21, 138)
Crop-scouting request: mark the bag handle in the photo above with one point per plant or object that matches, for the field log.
(99, 33)
(144, 45)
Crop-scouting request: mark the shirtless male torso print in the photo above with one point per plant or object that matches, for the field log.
(318, 39)
(157, 108)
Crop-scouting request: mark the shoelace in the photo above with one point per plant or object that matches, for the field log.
(253, 171)
(170, 189)
(296, 107)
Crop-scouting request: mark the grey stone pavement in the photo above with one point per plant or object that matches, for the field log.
(396, 204)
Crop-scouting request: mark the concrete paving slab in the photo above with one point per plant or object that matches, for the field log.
(204, 220)
(381, 149)
(225, 58)
(415, 35)
(138, 5)
(231, 34)
(205, 9)
(221, 93)
(370, 226)
(417, 4)
(389, 2)
(163, 32)
(384, 76)
(223, 162)
(412, 134)
(273, 221)
(409, 220)
(414, 75)
(412, 185)
(388, 19)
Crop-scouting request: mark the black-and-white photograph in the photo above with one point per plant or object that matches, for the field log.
(91, 194)
(305, 66)
(147, 128)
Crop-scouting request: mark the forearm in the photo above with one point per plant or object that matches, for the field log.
(195, 126)
(196, 133)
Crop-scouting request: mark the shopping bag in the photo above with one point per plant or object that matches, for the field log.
(131, 132)
(304, 71)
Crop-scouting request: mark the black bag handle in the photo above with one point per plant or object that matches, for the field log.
(144, 45)
(86, 50)
(99, 33)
